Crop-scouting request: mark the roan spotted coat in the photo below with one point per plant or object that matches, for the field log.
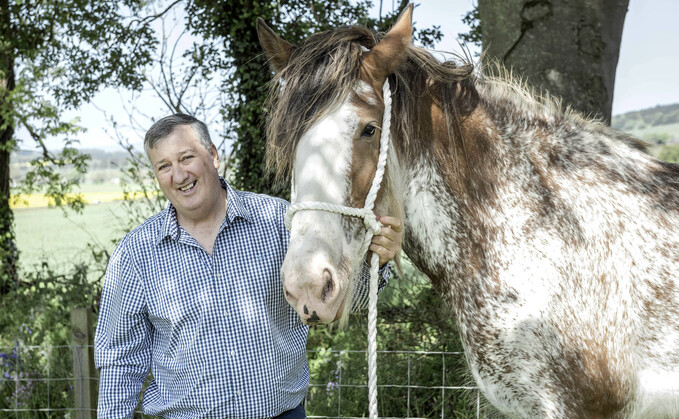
(554, 239)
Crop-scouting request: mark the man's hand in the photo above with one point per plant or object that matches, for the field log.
(388, 243)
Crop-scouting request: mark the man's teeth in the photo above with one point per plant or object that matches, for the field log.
(187, 187)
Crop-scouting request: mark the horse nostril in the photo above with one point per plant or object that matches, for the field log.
(329, 286)
(313, 319)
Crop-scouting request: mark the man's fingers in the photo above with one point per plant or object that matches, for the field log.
(385, 254)
(382, 240)
(388, 242)
(392, 222)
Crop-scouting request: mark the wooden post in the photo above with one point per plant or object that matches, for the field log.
(84, 372)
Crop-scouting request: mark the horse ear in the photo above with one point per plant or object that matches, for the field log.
(278, 49)
(389, 53)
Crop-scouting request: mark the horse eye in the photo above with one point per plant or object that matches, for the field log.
(368, 131)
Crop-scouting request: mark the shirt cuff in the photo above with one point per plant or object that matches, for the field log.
(384, 275)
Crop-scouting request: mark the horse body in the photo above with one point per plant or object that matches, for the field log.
(562, 274)
(554, 239)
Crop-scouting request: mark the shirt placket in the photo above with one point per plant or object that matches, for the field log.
(224, 316)
(221, 345)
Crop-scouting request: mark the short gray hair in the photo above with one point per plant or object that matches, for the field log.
(163, 127)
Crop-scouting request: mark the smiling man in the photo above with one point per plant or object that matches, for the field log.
(194, 294)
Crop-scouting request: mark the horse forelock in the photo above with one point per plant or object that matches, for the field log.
(325, 70)
(321, 74)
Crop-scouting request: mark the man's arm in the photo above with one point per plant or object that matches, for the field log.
(387, 244)
(122, 343)
(362, 290)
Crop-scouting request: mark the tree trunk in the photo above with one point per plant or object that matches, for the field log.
(8, 251)
(568, 48)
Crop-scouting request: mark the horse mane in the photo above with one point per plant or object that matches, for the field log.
(324, 70)
(326, 67)
(511, 92)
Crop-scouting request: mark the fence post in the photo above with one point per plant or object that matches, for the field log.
(83, 364)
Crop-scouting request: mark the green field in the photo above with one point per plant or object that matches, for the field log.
(47, 234)
(670, 129)
(60, 237)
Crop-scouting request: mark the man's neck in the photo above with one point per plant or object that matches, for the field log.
(204, 226)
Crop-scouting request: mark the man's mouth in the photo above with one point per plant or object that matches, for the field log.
(188, 187)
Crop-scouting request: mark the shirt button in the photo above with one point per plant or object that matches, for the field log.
(232, 354)
(218, 275)
(238, 392)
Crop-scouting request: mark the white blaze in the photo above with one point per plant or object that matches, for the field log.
(317, 240)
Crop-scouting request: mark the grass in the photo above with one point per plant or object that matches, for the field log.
(646, 130)
(59, 238)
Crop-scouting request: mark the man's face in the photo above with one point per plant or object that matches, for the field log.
(186, 172)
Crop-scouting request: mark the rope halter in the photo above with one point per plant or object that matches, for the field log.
(373, 226)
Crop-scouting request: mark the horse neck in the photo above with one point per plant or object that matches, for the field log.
(508, 160)
(440, 176)
(448, 189)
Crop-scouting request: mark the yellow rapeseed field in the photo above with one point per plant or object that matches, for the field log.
(40, 201)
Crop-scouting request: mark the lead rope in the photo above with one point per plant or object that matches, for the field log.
(372, 227)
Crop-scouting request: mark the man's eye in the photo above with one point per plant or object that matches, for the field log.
(187, 158)
(163, 167)
(368, 131)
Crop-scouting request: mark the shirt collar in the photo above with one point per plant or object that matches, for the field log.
(235, 208)
(235, 204)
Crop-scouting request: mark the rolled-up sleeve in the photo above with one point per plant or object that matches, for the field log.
(122, 351)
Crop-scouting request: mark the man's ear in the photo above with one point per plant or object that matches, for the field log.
(387, 56)
(215, 156)
(278, 49)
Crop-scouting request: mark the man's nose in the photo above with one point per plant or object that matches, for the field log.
(178, 173)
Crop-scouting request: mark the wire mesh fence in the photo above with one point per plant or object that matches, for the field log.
(411, 384)
(39, 381)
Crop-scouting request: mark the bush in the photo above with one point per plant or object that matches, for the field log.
(35, 336)
(669, 153)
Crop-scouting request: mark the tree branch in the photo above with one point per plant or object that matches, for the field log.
(36, 137)
(151, 18)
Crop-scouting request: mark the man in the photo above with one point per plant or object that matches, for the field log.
(195, 292)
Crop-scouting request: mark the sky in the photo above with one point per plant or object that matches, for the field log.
(648, 65)
(646, 75)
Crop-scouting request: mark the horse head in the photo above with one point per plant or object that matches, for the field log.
(324, 129)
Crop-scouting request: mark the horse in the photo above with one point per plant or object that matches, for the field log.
(553, 238)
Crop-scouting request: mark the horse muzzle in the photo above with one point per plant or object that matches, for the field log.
(314, 288)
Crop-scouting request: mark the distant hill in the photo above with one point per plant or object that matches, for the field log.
(102, 166)
(658, 125)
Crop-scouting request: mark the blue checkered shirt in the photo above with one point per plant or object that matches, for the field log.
(216, 330)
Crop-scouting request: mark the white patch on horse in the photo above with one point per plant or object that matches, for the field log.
(429, 214)
(366, 92)
(317, 244)
(323, 157)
